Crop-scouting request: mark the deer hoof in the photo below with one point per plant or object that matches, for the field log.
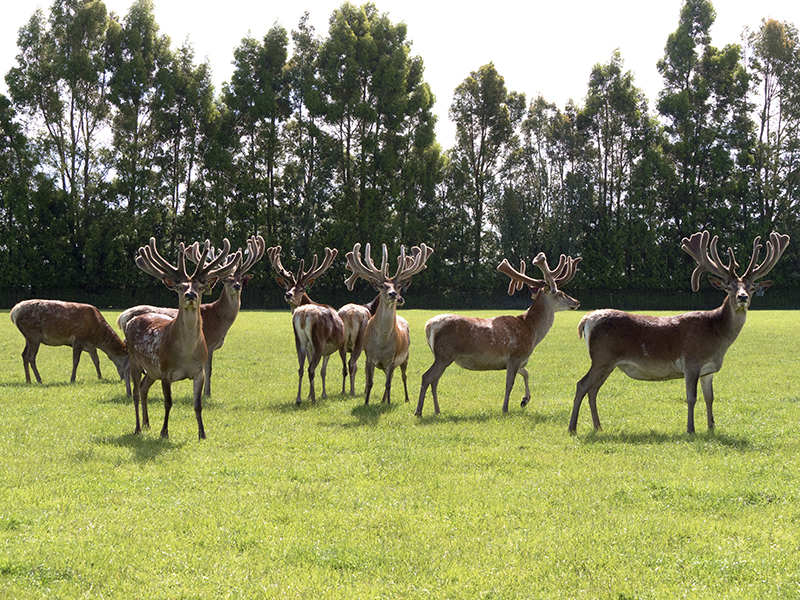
(525, 401)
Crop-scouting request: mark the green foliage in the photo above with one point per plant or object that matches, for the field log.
(342, 500)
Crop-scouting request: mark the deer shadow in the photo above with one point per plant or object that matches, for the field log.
(144, 448)
(653, 438)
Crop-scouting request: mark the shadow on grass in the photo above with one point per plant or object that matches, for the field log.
(145, 448)
(528, 415)
(655, 437)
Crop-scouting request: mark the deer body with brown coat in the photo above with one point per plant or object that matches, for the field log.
(56, 323)
(217, 316)
(355, 318)
(689, 346)
(172, 349)
(504, 342)
(386, 337)
(318, 329)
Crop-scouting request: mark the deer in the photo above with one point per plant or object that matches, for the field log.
(386, 337)
(503, 342)
(172, 349)
(318, 329)
(689, 346)
(355, 318)
(56, 323)
(218, 316)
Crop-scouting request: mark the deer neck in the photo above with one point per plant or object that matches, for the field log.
(385, 318)
(227, 306)
(730, 318)
(540, 316)
(187, 327)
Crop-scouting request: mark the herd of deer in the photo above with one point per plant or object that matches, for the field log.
(170, 344)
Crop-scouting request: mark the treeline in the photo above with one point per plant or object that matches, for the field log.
(110, 135)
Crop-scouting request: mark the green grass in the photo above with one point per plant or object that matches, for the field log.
(342, 500)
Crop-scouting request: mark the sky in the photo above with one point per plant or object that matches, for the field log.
(540, 47)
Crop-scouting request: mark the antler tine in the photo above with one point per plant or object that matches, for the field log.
(150, 261)
(358, 268)
(696, 246)
(219, 266)
(550, 276)
(314, 272)
(572, 269)
(274, 255)
(518, 278)
(775, 247)
(255, 251)
(421, 254)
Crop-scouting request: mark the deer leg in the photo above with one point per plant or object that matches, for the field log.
(431, 378)
(691, 397)
(198, 405)
(145, 389)
(387, 388)
(207, 390)
(511, 375)
(707, 385)
(136, 374)
(96, 360)
(166, 388)
(589, 384)
(369, 375)
(527, 397)
(76, 358)
(324, 373)
(343, 356)
(403, 368)
(353, 363)
(301, 359)
(29, 359)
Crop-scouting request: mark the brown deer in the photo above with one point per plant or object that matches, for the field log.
(55, 323)
(218, 316)
(689, 346)
(172, 349)
(318, 330)
(504, 342)
(386, 338)
(355, 318)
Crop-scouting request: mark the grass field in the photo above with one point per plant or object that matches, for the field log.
(343, 500)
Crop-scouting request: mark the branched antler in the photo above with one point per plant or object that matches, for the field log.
(561, 275)
(407, 266)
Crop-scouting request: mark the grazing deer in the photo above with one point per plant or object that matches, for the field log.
(218, 316)
(386, 338)
(318, 329)
(355, 318)
(172, 349)
(55, 323)
(504, 342)
(690, 346)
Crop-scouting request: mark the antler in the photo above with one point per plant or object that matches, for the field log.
(407, 266)
(255, 251)
(561, 275)
(697, 247)
(151, 262)
(302, 277)
(775, 246)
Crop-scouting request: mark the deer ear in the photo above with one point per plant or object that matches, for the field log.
(209, 285)
(717, 283)
(169, 282)
(310, 283)
(762, 286)
(534, 291)
(282, 282)
(246, 278)
(375, 283)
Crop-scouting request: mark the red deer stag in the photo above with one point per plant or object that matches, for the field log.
(218, 316)
(355, 318)
(173, 349)
(81, 326)
(690, 346)
(318, 330)
(386, 338)
(504, 342)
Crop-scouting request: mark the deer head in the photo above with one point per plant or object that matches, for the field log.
(563, 274)
(389, 287)
(296, 286)
(188, 287)
(740, 289)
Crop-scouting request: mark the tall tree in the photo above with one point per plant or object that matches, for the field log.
(775, 66)
(704, 102)
(482, 110)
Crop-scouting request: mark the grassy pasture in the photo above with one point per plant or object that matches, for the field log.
(342, 500)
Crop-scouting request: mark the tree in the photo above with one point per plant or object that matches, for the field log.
(482, 110)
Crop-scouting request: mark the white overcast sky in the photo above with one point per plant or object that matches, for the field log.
(539, 47)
